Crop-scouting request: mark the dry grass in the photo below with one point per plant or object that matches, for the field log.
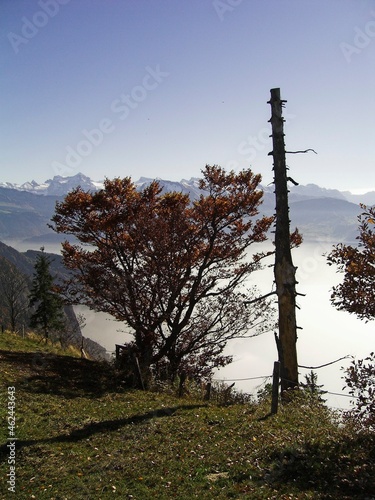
(81, 435)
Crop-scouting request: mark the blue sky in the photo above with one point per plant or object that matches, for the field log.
(160, 88)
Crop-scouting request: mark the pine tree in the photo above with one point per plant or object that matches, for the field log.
(48, 314)
(311, 386)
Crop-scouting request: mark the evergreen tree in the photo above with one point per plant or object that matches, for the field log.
(311, 386)
(48, 314)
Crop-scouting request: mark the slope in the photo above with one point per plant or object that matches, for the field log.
(80, 435)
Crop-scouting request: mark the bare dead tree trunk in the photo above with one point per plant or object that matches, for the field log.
(284, 269)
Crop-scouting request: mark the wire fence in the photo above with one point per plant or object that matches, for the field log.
(266, 377)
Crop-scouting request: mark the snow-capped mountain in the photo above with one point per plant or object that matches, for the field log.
(190, 186)
(60, 186)
(320, 213)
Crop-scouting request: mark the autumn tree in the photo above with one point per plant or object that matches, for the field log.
(48, 313)
(172, 269)
(356, 293)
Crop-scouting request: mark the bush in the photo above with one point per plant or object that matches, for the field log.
(360, 379)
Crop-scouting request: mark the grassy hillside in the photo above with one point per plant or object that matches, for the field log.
(80, 436)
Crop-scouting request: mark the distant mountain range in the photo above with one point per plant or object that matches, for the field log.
(319, 213)
(60, 186)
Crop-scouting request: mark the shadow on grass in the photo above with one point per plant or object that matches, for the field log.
(66, 376)
(98, 427)
(266, 417)
(346, 466)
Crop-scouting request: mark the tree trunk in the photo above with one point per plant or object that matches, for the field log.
(144, 357)
(284, 269)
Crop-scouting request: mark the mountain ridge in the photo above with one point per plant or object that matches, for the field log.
(26, 211)
(60, 186)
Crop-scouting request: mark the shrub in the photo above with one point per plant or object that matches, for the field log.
(360, 379)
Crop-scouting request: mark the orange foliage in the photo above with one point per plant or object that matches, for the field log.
(169, 268)
(356, 294)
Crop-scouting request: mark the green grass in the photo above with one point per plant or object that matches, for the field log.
(80, 435)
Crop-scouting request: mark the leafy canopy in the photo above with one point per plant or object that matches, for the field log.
(356, 294)
(360, 379)
(172, 269)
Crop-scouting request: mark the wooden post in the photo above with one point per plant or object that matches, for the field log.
(117, 351)
(183, 378)
(207, 394)
(139, 371)
(275, 388)
(284, 269)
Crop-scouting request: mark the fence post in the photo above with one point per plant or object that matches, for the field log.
(208, 392)
(183, 377)
(117, 351)
(275, 387)
(139, 371)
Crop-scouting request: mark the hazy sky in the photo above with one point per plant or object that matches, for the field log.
(160, 88)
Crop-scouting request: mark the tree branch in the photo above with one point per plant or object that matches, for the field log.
(304, 151)
(292, 180)
(258, 299)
